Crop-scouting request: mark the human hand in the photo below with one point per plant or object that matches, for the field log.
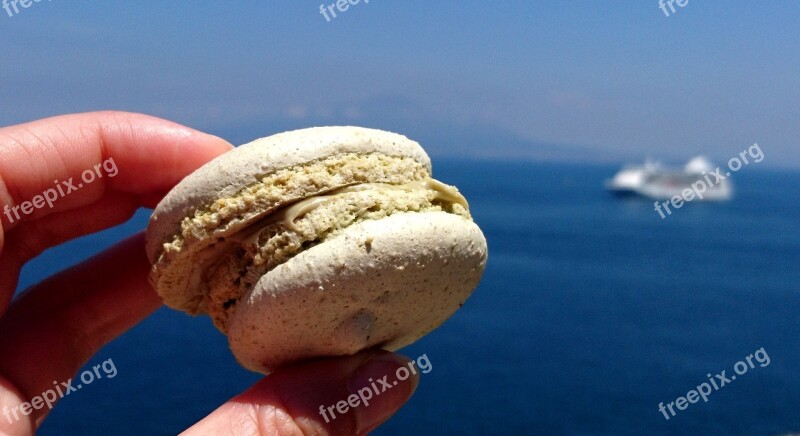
(54, 327)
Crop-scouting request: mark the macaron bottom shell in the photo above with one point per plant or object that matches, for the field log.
(380, 283)
(284, 235)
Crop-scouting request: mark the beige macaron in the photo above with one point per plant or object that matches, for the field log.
(316, 242)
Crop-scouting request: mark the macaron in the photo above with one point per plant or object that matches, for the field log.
(316, 242)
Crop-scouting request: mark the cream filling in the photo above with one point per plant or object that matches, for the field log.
(289, 215)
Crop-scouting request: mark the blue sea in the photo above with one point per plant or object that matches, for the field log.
(592, 311)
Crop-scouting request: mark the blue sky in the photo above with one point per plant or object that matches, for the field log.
(519, 79)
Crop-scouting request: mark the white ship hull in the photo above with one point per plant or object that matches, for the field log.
(654, 182)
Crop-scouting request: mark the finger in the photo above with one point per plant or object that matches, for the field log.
(53, 328)
(310, 398)
(55, 229)
(103, 151)
(12, 423)
(130, 159)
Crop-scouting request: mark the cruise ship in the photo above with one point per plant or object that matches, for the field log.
(652, 180)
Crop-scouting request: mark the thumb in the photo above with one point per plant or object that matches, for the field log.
(344, 395)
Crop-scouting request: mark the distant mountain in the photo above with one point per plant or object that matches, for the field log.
(440, 137)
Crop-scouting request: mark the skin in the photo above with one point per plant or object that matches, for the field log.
(54, 327)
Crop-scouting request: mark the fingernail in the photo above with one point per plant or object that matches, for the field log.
(382, 388)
